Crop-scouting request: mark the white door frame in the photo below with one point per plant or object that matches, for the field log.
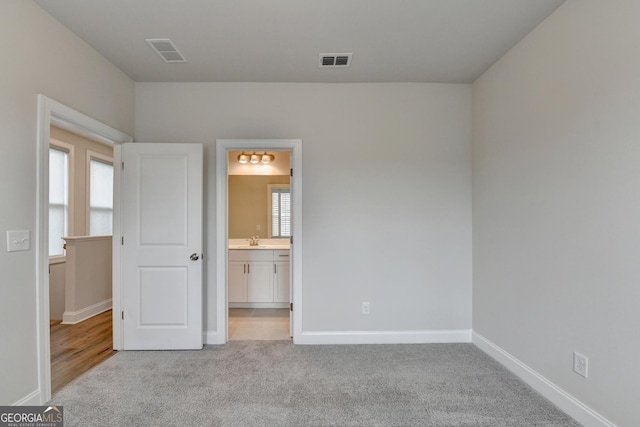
(51, 112)
(222, 230)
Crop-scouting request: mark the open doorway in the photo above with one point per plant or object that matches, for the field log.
(50, 113)
(259, 234)
(227, 265)
(80, 249)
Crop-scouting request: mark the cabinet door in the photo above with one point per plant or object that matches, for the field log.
(237, 290)
(281, 282)
(260, 282)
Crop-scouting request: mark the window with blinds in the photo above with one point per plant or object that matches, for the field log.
(58, 200)
(100, 198)
(280, 212)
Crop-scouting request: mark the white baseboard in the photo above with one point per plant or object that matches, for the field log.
(210, 337)
(32, 399)
(387, 337)
(567, 403)
(73, 317)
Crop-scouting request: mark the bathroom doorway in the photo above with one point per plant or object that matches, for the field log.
(259, 240)
(259, 234)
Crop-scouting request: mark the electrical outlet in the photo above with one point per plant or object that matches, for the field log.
(580, 364)
(258, 227)
(365, 308)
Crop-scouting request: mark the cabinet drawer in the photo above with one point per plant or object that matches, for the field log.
(251, 255)
(281, 255)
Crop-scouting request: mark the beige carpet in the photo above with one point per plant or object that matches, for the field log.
(274, 383)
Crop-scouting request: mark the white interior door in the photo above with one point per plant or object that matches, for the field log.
(162, 187)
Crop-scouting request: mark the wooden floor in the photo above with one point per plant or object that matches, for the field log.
(77, 348)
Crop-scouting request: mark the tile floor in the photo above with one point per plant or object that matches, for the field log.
(259, 324)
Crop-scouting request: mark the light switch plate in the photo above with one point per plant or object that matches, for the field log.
(18, 240)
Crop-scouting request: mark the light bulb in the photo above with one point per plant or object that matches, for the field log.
(243, 158)
(266, 159)
(255, 158)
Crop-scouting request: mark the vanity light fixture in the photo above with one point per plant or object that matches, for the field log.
(267, 158)
(243, 158)
(254, 159)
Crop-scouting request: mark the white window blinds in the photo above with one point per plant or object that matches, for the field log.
(58, 200)
(100, 198)
(280, 212)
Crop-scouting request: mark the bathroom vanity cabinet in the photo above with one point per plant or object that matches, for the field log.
(281, 279)
(258, 277)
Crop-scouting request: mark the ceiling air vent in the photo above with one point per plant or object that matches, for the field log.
(335, 59)
(167, 51)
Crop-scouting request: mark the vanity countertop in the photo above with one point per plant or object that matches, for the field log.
(259, 247)
(263, 244)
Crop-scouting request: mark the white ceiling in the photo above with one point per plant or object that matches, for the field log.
(444, 41)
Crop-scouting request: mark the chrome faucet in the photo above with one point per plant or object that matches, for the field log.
(254, 241)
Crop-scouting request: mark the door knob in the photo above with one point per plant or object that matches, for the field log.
(194, 257)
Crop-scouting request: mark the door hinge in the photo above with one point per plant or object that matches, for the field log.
(291, 171)
(122, 315)
(290, 306)
(291, 240)
(122, 240)
(122, 165)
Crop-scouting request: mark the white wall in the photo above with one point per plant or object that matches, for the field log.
(556, 202)
(392, 157)
(88, 277)
(41, 56)
(56, 289)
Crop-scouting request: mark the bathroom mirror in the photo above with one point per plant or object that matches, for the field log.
(249, 204)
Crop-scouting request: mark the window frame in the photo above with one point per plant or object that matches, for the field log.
(70, 150)
(98, 157)
(270, 188)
